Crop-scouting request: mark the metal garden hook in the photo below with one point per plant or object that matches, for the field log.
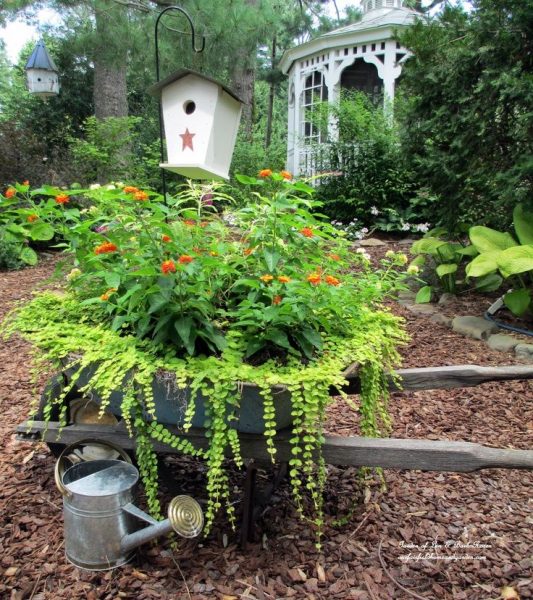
(195, 50)
(193, 35)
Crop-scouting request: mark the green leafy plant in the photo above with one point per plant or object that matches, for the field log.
(502, 257)
(446, 257)
(363, 166)
(23, 220)
(267, 294)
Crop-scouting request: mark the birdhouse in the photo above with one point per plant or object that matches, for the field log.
(41, 73)
(201, 118)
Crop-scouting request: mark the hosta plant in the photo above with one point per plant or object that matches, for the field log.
(503, 256)
(269, 294)
(444, 257)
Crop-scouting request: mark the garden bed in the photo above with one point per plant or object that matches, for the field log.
(486, 508)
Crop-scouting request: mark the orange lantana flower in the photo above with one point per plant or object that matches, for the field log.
(105, 248)
(276, 299)
(141, 196)
(62, 199)
(168, 266)
(31, 218)
(166, 238)
(265, 173)
(266, 278)
(307, 232)
(190, 222)
(284, 279)
(286, 174)
(130, 189)
(105, 296)
(184, 259)
(248, 251)
(332, 280)
(10, 192)
(314, 278)
(334, 256)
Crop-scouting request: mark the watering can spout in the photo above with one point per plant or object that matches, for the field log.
(185, 517)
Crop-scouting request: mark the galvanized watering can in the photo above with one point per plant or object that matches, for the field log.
(103, 527)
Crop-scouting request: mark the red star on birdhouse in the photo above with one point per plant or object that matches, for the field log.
(186, 139)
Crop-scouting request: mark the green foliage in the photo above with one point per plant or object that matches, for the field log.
(502, 257)
(446, 256)
(106, 150)
(10, 252)
(466, 116)
(70, 334)
(365, 166)
(269, 298)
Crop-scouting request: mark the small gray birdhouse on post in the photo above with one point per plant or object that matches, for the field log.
(201, 118)
(41, 73)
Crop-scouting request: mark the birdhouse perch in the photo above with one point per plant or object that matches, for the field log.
(201, 118)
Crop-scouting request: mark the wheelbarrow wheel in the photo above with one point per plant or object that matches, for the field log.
(80, 410)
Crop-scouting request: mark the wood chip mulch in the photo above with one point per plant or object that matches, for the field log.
(435, 536)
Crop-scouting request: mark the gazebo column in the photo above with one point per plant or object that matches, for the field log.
(332, 79)
(294, 142)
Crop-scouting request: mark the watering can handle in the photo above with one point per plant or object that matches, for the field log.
(60, 468)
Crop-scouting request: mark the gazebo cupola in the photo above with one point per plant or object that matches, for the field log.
(361, 56)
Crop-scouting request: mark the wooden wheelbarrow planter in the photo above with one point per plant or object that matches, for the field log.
(388, 453)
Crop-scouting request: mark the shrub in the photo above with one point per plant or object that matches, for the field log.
(9, 255)
(366, 162)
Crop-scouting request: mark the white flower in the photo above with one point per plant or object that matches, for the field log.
(374, 211)
(406, 227)
(110, 187)
(363, 253)
(423, 227)
(390, 254)
(364, 230)
(94, 186)
(413, 270)
(119, 184)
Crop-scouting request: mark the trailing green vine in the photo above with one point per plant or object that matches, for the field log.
(69, 338)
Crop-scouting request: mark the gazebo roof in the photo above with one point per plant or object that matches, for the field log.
(373, 24)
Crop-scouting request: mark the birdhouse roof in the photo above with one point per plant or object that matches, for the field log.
(40, 59)
(155, 90)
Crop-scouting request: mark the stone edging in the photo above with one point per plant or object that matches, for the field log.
(471, 326)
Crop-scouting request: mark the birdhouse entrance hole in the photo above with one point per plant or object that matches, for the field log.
(189, 107)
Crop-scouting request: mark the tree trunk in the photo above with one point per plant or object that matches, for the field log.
(271, 96)
(110, 90)
(243, 80)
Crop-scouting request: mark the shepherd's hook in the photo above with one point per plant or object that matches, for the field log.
(196, 51)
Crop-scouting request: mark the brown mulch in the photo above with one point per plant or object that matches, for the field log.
(479, 524)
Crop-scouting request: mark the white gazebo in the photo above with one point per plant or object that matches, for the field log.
(362, 56)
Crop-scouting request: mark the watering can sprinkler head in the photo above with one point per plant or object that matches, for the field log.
(185, 517)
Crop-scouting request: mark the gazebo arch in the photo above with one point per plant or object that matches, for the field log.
(363, 55)
(363, 76)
